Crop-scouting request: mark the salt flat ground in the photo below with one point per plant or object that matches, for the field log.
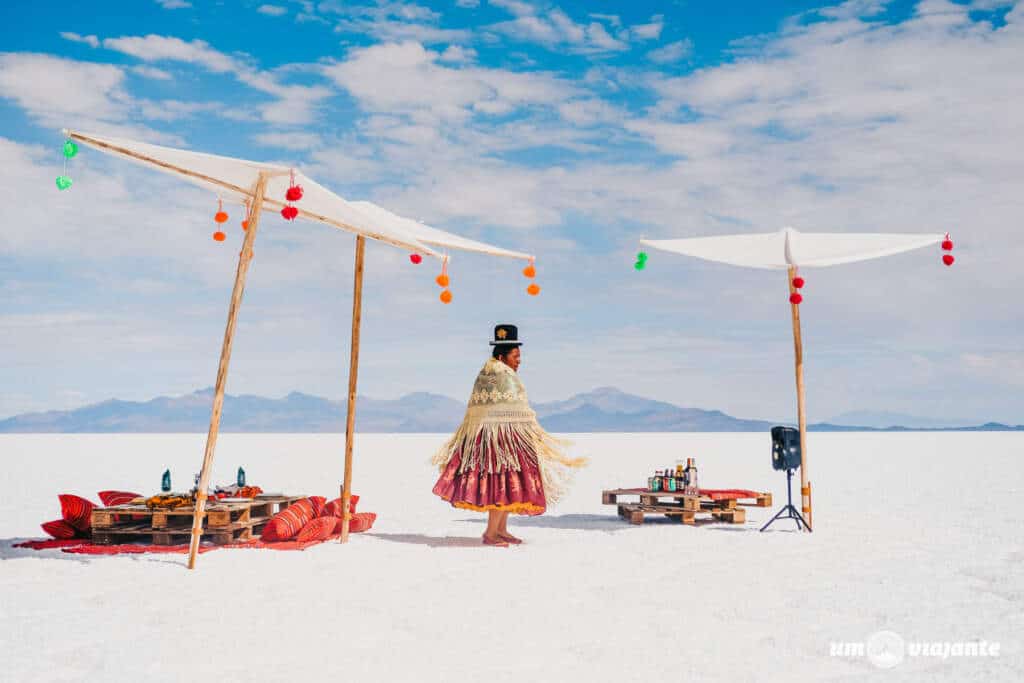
(918, 534)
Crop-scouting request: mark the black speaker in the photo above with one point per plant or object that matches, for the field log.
(786, 448)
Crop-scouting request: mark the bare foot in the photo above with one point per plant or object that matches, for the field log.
(497, 541)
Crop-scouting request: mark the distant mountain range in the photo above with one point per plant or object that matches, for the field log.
(601, 410)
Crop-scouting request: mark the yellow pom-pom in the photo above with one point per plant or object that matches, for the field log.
(446, 297)
(533, 289)
(442, 280)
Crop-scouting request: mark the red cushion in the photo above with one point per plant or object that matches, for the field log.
(76, 511)
(59, 528)
(319, 529)
(318, 503)
(361, 521)
(288, 522)
(333, 509)
(110, 498)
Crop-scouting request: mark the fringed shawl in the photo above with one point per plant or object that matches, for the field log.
(500, 423)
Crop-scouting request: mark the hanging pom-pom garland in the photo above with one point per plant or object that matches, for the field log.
(220, 216)
(219, 236)
(796, 298)
(69, 150)
(292, 194)
(947, 245)
(530, 271)
(443, 281)
(416, 259)
(641, 260)
(245, 221)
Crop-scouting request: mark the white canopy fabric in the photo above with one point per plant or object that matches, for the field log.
(789, 247)
(234, 180)
(429, 235)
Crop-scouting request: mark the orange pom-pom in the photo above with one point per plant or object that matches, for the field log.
(442, 280)
(446, 297)
(530, 271)
(219, 236)
(220, 217)
(533, 289)
(245, 225)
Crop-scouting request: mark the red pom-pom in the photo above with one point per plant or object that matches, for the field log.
(798, 282)
(947, 245)
(416, 258)
(294, 193)
(289, 213)
(220, 217)
(795, 298)
(219, 236)
(948, 259)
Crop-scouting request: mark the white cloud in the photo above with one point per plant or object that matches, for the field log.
(671, 52)
(152, 72)
(651, 30)
(293, 140)
(456, 54)
(272, 10)
(154, 48)
(467, 4)
(91, 41)
(555, 29)
(392, 22)
(173, 4)
(295, 104)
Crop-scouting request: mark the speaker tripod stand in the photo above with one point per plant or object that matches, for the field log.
(789, 512)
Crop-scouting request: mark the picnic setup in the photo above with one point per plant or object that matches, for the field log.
(242, 516)
(257, 188)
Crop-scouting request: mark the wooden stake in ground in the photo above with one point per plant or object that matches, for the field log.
(798, 348)
(244, 257)
(353, 371)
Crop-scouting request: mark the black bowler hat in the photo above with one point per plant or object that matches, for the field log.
(506, 335)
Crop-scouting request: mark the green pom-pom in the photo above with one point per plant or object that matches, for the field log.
(639, 265)
(70, 149)
(63, 182)
(642, 257)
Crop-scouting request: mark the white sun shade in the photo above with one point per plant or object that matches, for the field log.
(234, 180)
(429, 235)
(789, 247)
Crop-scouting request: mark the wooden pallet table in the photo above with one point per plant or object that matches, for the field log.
(711, 505)
(223, 522)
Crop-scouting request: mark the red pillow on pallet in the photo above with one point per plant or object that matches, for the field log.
(59, 528)
(318, 503)
(76, 511)
(111, 498)
(288, 522)
(319, 529)
(333, 509)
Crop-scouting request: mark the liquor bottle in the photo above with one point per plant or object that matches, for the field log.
(165, 482)
(657, 481)
(241, 478)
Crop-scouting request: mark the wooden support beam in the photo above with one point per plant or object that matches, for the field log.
(244, 257)
(353, 372)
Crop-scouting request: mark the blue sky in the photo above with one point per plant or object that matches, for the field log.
(564, 129)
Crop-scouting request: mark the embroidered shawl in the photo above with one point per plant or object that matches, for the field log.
(499, 424)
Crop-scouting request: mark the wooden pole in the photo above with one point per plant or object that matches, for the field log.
(244, 257)
(798, 348)
(353, 371)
